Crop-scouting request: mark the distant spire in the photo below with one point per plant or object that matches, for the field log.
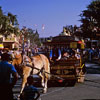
(36, 31)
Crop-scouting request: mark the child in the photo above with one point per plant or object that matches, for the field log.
(30, 92)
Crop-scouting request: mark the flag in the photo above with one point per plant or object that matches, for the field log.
(43, 26)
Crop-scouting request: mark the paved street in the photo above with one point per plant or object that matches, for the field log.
(89, 90)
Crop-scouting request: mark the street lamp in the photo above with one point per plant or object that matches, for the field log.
(23, 32)
(23, 43)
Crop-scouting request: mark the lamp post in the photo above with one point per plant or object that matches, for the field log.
(23, 33)
(23, 44)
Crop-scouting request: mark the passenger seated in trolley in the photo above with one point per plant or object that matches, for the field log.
(77, 55)
(55, 54)
(65, 56)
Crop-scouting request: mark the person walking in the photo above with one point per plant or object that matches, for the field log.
(30, 92)
(6, 81)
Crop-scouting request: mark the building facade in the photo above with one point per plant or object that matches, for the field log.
(10, 41)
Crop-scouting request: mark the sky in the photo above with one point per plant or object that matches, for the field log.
(48, 17)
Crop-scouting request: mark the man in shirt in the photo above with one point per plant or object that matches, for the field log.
(6, 81)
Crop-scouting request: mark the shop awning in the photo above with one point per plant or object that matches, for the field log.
(1, 46)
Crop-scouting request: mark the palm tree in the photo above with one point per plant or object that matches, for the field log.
(13, 19)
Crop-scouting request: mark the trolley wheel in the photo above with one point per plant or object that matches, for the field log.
(72, 82)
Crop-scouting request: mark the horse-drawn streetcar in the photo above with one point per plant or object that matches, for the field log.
(68, 68)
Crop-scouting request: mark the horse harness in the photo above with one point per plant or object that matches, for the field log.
(28, 64)
(42, 70)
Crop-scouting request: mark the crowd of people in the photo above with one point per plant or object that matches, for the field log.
(89, 54)
(27, 51)
(92, 54)
(7, 70)
(57, 54)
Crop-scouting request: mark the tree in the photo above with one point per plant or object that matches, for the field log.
(32, 35)
(13, 19)
(90, 19)
(1, 15)
(8, 24)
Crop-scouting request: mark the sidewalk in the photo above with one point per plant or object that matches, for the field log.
(96, 61)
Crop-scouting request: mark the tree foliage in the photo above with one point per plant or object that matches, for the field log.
(32, 35)
(8, 24)
(90, 19)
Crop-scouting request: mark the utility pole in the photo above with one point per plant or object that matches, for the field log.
(23, 38)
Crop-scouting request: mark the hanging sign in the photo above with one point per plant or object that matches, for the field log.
(73, 45)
